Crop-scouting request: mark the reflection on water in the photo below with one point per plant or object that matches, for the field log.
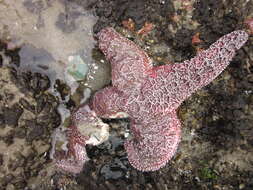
(50, 33)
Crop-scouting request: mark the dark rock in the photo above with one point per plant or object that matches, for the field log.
(221, 134)
(41, 101)
(11, 115)
(1, 159)
(182, 45)
(19, 182)
(14, 164)
(8, 138)
(1, 61)
(239, 102)
(27, 105)
(114, 170)
(2, 45)
(62, 88)
(20, 132)
(9, 96)
(112, 12)
(2, 121)
(14, 55)
(36, 131)
(8, 178)
(29, 82)
(39, 82)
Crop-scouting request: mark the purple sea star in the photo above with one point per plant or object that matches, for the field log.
(85, 124)
(151, 95)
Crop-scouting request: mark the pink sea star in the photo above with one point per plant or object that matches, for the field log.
(151, 95)
(84, 125)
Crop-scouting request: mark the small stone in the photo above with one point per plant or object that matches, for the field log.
(76, 68)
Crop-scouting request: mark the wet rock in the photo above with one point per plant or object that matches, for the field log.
(14, 56)
(26, 105)
(2, 121)
(8, 179)
(19, 182)
(41, 102)
(115, 170)
(159, 50)
(2, 45)
(239, 102)
(99, 74)
(39, 82)
(36, 131)
(50, 120)
(221, 133)
(40, 147)
(9, 96)
(230, 114)
(20, 132)
(8, 138)
(215, 21)
(182, 45)
(29, 82)
(1, 61)
(113, 146)
(62, 88)
(238, 114)
(133, 9)
(205, 11)
(17, 162)
(112, 12)
(1, 159)
(12, 115)
(10, 187)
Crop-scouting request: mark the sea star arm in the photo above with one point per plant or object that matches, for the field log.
(73, 164)
(208, 64)
(108, 103)
(154, 143)
(174, 83)
(130, 64)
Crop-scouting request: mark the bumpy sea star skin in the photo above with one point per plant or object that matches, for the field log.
(150, 96)
(74, 161)
(86, 128)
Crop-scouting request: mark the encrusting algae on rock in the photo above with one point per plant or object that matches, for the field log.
(150, 97)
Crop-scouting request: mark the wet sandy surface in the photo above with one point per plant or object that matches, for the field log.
(37, 96)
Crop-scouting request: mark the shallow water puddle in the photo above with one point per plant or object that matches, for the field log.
(56, 39)
(49, 33)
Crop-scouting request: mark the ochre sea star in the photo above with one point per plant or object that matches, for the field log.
(151, 95)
